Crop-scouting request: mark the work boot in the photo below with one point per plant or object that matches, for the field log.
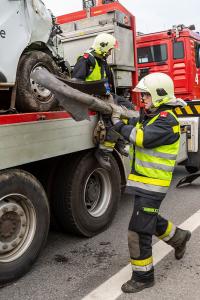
(178, 242)
(132, 286)
(103, 159)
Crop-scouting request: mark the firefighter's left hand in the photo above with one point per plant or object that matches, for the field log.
(116, 113)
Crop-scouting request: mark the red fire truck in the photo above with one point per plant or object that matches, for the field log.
(176, 52)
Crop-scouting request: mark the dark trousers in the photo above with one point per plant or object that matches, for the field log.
(144, 223)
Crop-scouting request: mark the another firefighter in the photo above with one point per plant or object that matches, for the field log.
(93, 66)
(155, 137)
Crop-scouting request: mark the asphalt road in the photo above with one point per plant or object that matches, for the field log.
(71, 267)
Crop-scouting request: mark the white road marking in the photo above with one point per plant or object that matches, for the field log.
(111, 289)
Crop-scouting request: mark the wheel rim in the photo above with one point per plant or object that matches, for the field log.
(41, 93)
(97, 192)
(17, 226)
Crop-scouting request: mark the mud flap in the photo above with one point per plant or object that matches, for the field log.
(188, 179)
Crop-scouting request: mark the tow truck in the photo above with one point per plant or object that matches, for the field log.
(48, 168)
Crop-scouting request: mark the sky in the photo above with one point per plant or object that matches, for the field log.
(151, 15)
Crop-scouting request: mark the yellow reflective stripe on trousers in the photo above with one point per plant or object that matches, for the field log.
(142, 262)
(169, 233)
(142, 265)
(148, 180)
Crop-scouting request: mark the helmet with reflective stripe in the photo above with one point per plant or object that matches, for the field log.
(104, 42)
(159, 85)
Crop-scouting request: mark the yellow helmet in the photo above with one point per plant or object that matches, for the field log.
(104, 42)
(159, 85)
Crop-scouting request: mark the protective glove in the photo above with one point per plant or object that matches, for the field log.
(116, 113)
(129, 113)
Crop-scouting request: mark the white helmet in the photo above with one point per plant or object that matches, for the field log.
(104, 42)
(159, 85)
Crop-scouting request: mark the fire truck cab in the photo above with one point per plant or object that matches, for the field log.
(175, 52)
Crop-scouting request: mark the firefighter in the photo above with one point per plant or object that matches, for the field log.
(155, 137)
(93, 66)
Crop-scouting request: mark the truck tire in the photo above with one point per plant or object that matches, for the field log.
(85, 196)
(24, 223)
(32, 97)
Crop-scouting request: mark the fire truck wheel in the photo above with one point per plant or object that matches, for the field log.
(86, 196)
(30, 95)
(24, 223)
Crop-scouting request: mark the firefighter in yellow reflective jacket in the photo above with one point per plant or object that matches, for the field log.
(93, 66)
(155, 138)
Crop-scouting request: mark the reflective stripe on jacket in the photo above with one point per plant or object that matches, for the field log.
(153, 167)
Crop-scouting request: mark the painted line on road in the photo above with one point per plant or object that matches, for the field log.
(111, 289)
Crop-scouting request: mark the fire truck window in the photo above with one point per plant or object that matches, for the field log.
(156, 53)
(178, 50)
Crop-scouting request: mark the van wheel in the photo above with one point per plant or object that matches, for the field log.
(24, 223)
(30, 95)
(85, 196)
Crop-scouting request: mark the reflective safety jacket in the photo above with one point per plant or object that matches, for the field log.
(156, 144)
(91, 68)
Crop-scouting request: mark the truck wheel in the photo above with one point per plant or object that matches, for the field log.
(30, 95)
(24, 223)
(85, 196)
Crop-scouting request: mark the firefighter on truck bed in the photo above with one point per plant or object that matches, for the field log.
(93, 66)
